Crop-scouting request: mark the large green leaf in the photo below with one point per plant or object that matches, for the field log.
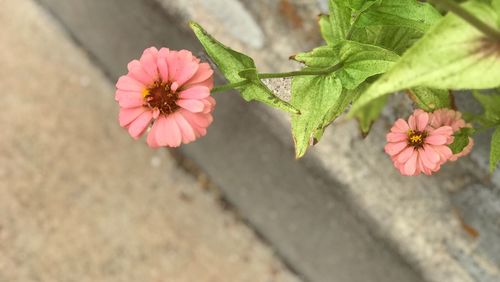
(394, 38)
(340, 20)
(404, 13)
(315, 96)
(429, 99)
(325, 26)
(452, 55)
(231, 63)
(495, 149)
(359, 61)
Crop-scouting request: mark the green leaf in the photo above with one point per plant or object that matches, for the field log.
(315, 96)
(396, 39)
(491, 106)
(495, 149)
(325, 27)
(359, 61)
(370, 114)
(343, 100)
(340, 20)
(404, 13)
(430, 99)
(460, 140)
(231, 63)
(362, 5)
(452, 55)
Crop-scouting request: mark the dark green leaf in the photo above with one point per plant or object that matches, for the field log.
(460, 140)
(231, 63)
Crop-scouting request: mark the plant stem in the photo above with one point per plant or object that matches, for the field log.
(323, 71)
(468, 17)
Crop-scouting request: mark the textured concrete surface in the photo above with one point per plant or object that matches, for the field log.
(311, 228)
(79, 199)
(443, 225)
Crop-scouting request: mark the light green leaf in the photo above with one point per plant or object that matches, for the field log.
(231, 63)
(361, 5)
(430, 99)
(370, 114)
(404, 13)
(340, 20)
(452, 55)
(325, 26)
(396, 39)
(343, 100)
(495, 149)
(315, 96)
(460, 140)
(359, 61)
(320, 57)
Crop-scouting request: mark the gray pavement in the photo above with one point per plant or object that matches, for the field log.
(79, 199)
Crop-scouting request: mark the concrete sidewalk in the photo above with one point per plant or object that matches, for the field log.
(79, 199)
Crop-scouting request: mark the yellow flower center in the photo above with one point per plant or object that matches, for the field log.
(416, 138)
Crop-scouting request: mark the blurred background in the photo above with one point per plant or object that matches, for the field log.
(81, 201)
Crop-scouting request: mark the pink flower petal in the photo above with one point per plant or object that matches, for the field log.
(131, 102)
(197, 119)
(138, 126)
(137, 72)
(185, 67)
(204, 73)
(195, 92)
(187, 131)
(119, 94)
(126, 116)
(151, 139)
(192, 105)
(431, 154)
(394, 148)
(405, 154)
(443, 130)
(411, 165)
(127, 83)
(396, 137)
(436, 139)
(148, 62)
(422, 120)
(400, 126)
(426, 159)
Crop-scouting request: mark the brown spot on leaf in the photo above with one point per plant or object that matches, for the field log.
(489, 47)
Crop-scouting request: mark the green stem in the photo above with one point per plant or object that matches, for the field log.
(323, 71)
(468, 17)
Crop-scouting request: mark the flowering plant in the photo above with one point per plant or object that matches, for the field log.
(373, 48)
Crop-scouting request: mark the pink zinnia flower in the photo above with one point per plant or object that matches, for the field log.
(169, 92)
(416, 147)
(456, 122)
